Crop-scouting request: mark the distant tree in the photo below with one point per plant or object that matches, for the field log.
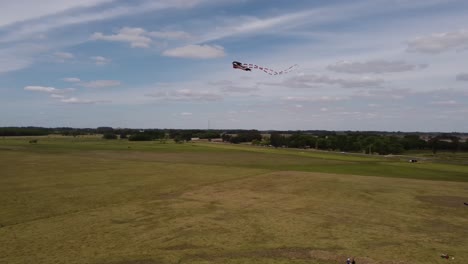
(104, 130)
(140, 137)
(276, 139)
(455, 143)
(243, 136)
(413, 142)
(164, 139)
(265, 141)
(433, 143)
(178, 139)
(24, 131)
(464, 146)
(207, 135)
(226, 137)
(256, 142)
(109, 136)
(301, 141)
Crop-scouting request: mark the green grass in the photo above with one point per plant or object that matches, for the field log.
(87, 200)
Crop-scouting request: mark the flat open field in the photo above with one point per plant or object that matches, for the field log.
(87, 200)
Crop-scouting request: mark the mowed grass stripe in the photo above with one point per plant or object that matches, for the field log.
(281, 217)
(30, 183)
(87, 200)
(243, 156)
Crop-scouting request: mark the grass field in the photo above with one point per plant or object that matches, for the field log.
(87, 200)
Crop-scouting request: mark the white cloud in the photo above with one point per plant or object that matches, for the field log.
(244, 25)
(315, 81)
(139, 37)
(45, 89)
(17, 11)
(286, 22)
(373, 66)
(63, 56)
(99, 60)
(238, 89)
(360, 82)
(135, 36)
(185, 114)
(462, 77)
(384, 94)
(57, 96)
(74, 100)
(323, 99)
(176, 35)
(196, 52)
(41, 89)
(9, 62)
(445, 103)
(101, 84)
(71, 79)
(49, 20)
(186, 95)
(231, 87)
(439, 42)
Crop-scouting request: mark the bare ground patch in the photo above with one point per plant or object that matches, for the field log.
(137, 261)
(293, 253)
(444, 201)
(184, 246)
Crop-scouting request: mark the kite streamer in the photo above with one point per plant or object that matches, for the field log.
(250, 66)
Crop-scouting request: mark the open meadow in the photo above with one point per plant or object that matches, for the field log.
(89, 200)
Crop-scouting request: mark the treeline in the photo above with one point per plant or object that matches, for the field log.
(24, 131)
(353, 142)
(112, 133)
(367, 143)
(350, 141)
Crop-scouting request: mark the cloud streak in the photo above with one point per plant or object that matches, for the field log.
(71, 79)
(74, 100)
(19, 11)
(185, 95)
(439, 42)
(196, 52)
(316, 81)
(99, 60)
(101, 84)
(63, 56)
(31, 28)
(46, 89)
(374, 66)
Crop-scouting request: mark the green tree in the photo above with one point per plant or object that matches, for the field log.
(109, 136)
(276, 139)
(434, 143)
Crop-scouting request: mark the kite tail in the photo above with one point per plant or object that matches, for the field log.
(268, 70)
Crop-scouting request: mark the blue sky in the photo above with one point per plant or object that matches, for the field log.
(395, 65)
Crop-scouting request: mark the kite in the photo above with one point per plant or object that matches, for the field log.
(249, 67)
(238, 65)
